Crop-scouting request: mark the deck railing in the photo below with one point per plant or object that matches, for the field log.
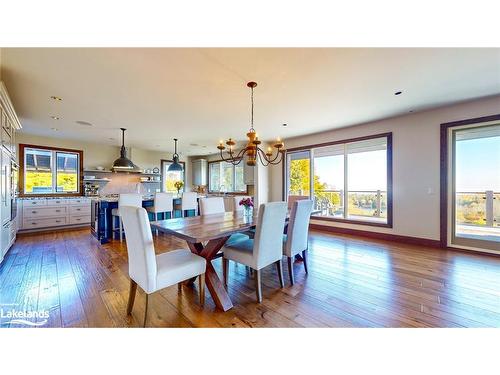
(479, 208)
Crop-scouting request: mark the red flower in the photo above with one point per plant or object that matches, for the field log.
(247, 202)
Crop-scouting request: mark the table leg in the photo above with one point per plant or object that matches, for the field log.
(214, 284)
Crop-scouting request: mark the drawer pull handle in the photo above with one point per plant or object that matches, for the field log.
(34, 212)
(33, 223)
(58, 210)
(58, 221)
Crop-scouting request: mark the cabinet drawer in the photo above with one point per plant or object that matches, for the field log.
(83, 219)
(31, 212)
(77, 202)
(79, 210)
(44, 223)
(38, 202)
(57, 202)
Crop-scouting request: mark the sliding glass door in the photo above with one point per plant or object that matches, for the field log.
(347, 180)
(476, 187)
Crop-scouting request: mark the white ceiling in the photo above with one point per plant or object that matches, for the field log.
(200, 95)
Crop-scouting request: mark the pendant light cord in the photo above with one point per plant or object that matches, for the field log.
(252, 107)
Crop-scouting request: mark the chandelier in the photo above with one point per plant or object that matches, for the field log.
(252, 149)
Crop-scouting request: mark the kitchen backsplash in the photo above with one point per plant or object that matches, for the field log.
(127, 183)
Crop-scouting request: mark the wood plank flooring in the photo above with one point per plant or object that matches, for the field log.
(352, 282)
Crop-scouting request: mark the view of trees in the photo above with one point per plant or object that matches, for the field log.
(470, 209)
(41, 182)
(330, 202)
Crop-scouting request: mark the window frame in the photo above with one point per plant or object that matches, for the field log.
(234, 178)
(54, 150)
(163, 176)
(310, 148)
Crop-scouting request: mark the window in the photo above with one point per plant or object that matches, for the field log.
(170, 178)
(225, 177)
(50, 170)
(347, 180)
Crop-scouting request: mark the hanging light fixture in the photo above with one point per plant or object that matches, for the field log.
(252, 149)
(175, 166)
(124, 164)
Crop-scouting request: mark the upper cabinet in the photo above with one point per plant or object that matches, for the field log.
(200, 171)
(9, 123)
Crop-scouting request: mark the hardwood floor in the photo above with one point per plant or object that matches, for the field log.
(352, 282)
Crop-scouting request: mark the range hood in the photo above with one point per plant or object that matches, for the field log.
(124, 164)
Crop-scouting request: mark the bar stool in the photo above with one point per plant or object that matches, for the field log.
(163, 203)
(189, 201)
(134, 200)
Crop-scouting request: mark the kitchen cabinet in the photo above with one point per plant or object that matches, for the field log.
(200, 171)
(43, 213)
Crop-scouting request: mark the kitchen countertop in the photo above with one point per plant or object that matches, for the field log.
(50, 198)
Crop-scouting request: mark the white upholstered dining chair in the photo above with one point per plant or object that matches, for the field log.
(213, 205)
(129, 199)
(298, 234)
(266, 248)
(154, 272)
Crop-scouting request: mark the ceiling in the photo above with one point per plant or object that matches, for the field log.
(199, 95)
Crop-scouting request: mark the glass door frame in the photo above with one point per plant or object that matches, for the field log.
(448, 238)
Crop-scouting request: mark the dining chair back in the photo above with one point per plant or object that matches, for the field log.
(154, 272)
(141, 252)
(268, 241)
(264, 249)
(298, 234)
(214, 205)
(298, 227)
(294, 198)
(237, 201)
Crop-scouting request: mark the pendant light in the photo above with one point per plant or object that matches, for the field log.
(124, 164)
(175, 166)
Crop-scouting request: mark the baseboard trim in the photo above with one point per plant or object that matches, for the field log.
(26, 232)
(377, 235)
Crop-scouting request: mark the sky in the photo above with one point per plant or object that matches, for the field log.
(478, 165)
(366, 171)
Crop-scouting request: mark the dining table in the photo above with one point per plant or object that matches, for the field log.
(205, 236)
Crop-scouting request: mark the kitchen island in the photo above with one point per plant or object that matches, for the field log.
(102, 220)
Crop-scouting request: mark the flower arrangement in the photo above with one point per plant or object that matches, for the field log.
(178, 185)
(246, 202)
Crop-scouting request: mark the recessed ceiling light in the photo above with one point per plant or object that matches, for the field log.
(194, 144)
(112, 139)
(56, 98)
(285, 125)
(398, 92)
(55, 129)
(84, 123)
(55, 117)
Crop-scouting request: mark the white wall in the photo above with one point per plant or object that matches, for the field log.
(416, 164)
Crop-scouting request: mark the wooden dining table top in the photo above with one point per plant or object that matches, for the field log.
(198, 229)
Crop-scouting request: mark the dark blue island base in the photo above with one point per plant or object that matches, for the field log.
(103, 221)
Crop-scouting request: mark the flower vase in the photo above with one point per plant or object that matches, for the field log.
(247, 211)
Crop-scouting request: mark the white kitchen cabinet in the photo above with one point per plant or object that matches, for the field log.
(200, 171)
(248, 174)
(44, 213)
